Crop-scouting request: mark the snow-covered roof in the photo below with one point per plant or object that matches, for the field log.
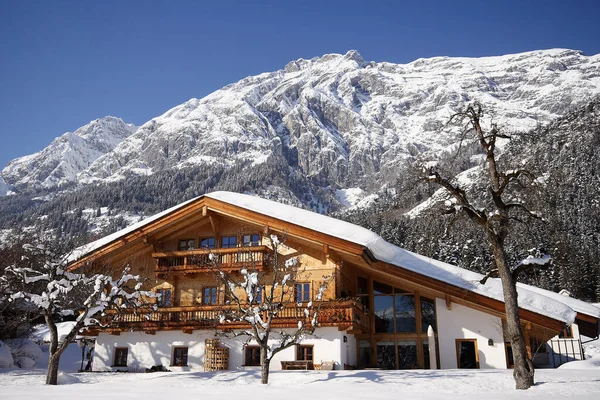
(533, 299)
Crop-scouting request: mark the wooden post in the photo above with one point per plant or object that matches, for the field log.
(527, 339)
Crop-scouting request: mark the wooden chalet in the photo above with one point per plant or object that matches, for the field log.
(385, 308)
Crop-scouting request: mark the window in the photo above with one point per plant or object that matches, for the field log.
(404, 305)
(187, 244)
(209, 295)
(252, 356)
(407, 354)
(165, 297)
(207, 243)
(120, 357)
(386, 358)
(384, 314)
(228, 242)
(302, 292)
(427, 314)
(304, 353)
(394, 309)
(251, 240)
(180, 357)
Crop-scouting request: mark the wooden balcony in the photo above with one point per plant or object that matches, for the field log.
(347, 315)
(196, 261)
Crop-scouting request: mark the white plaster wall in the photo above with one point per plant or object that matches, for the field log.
(145, 350)
(148, 350)
(462, 322)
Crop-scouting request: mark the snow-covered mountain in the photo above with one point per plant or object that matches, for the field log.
(340, 121)
(343, 121)
(69, 154)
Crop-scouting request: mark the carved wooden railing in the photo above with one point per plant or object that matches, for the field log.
(345, 314)
(191, 261)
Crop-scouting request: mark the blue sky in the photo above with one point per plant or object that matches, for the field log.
(64, 63)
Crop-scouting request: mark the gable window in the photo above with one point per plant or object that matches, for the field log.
(209, 295)
(165, 297)
(304, 353)
(228, 242)
(120, 359)
(302, 292)
(187, 244)
(252, 356)
(251, 240)
(208, 243)
(180, 357)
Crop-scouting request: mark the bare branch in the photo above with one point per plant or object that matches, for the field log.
(493, 273)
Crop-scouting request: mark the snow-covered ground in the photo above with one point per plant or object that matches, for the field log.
(330, 385)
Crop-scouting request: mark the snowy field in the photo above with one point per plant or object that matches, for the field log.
(315, 385)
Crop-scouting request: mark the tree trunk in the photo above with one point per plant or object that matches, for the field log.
(55, 351)
(52, 376)
(264, 363)
(523, 366)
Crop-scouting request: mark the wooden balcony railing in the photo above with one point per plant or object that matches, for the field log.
(192, 261)
(345, 314)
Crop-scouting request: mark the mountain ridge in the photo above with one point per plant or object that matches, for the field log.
(343, 123)
(59, 163)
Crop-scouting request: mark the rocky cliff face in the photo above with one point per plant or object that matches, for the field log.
(338, 120)
(58, 164)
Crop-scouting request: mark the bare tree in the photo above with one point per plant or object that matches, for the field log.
(46, 285)
(495, 212)
(257, 296)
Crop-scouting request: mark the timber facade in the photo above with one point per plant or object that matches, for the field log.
(373, 314)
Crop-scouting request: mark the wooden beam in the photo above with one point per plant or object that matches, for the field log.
(448, 302)
(215, 224)
(188, 331)
(150, 242)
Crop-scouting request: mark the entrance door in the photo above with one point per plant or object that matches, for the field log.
(466, 353)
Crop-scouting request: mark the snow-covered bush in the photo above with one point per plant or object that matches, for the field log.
(25, 352)
(6, 358)
(24, 362)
